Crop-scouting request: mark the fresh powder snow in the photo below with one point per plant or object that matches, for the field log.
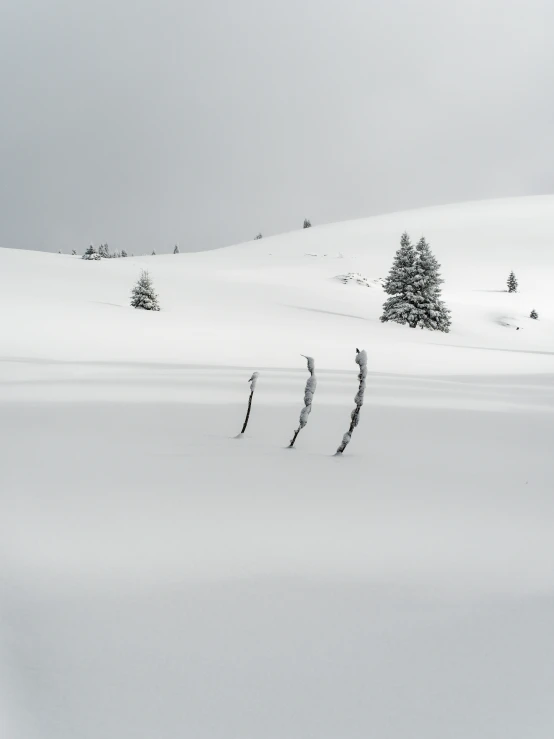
(160, 579)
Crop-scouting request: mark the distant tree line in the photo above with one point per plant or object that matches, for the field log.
(103, 252)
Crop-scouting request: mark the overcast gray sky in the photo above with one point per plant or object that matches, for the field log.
(147, 122)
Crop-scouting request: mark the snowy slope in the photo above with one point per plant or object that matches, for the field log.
(264, 302)
(159, 577)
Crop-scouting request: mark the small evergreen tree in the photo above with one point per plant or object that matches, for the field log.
(104, 251)
(153, 253)
(512, 283)
(143, 295)
(176, 250)
(258, 236)
(534, 314)
(73, 253)
(307, 223)
(91, 253)
(123, 253)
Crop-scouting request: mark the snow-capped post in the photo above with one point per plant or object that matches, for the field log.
(361, 360)
(253, 380)
(309, 391)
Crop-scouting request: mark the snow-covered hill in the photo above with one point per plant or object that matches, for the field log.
(162, 578)
(264, 302)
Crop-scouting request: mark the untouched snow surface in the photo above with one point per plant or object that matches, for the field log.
(160, 578)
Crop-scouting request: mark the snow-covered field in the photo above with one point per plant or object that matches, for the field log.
(160, 578)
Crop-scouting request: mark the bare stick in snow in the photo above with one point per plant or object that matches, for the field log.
(309, 391)
(252, 382)
(361, 360)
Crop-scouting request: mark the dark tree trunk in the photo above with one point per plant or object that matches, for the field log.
(247, 412)
(294, 438)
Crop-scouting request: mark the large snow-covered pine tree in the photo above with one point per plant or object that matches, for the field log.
(431, 311)
(143, 295)
(414, 286)
(400, 307)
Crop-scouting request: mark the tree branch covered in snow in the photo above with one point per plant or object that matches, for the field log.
(361, 360)
(253, 380)
(309, 391)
